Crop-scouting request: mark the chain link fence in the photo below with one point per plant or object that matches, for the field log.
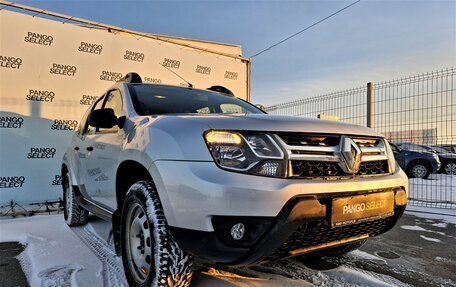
(417, 114)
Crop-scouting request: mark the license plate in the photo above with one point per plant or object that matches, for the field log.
(360, 208)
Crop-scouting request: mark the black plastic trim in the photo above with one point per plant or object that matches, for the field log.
(90, 206)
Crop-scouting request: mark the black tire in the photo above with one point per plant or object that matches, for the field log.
(418, 169)
(74, 214)
(167, 264)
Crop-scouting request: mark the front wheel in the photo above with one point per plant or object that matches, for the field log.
(150, 255)
(419, 170)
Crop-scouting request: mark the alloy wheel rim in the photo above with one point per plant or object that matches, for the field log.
(139, 243)
(450, 169)
(419, 171)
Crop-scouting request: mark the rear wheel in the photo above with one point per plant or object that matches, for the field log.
(74, 214)
(151, 256)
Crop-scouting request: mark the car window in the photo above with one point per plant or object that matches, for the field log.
(88, 129)
(232, 109)
(158, 100)
(113, 101)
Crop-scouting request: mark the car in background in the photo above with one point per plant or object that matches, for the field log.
(447, 158)
(449, 147)
(417, 162)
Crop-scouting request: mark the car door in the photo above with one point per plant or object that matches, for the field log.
(102, 156)
(80, 144)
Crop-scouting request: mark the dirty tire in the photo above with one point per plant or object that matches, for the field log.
(168, 265)
(74, 214)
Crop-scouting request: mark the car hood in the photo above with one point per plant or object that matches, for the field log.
(273, 123)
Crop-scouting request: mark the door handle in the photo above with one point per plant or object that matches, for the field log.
(89, 148)
(76, 148)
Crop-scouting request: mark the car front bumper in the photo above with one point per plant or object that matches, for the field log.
(202, 202)
(193, 192)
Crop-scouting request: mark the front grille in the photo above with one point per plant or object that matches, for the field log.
(317, 156)
(320, 232)
(302, 168)
(308, 169)
(373, 167)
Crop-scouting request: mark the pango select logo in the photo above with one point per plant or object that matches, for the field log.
(90, 48)
(64, 125)
(152, 80)
(10, 62)
(41, 152)
(134, 56)
(57, 180)
(66, 70)
(110, 76)
(170, 63)
(87, 100)
(40, 96)
(11, 181)
(203, 70)
(11, 122)
(40, 39)
(231, 75)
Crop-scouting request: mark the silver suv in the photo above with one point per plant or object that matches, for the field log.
(188, 174)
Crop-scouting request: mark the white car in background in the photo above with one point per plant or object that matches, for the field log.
(188, 174)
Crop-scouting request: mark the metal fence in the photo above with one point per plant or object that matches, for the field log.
(416, 113)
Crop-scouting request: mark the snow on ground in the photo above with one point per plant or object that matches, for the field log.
(430, 238)
(438, 188)
(57, 255)
(447, 215)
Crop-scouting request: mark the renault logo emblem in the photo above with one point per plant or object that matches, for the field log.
(351, 155)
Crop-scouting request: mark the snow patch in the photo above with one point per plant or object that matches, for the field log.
(440, 225)
(430, 238)
(442, 259)
(58, 276)
(366, 256)
(413, 227)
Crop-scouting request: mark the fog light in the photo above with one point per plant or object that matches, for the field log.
(237, 231)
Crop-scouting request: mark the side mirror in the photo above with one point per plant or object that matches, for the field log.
(103, 118)
(261, 107)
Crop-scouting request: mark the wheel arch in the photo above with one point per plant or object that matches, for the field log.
(129, 172)
(418, 160)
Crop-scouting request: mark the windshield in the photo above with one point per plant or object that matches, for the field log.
(157, 100)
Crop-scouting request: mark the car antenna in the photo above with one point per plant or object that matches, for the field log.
(188, 83)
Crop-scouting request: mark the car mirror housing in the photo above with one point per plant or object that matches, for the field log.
(103, 118)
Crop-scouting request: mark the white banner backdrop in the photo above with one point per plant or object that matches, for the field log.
(51, 72)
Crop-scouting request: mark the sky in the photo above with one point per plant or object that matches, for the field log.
(371, 41)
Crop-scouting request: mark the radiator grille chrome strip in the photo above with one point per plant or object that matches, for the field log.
(372, 149)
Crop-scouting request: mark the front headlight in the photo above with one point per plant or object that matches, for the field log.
(391, 159)
(253, 153)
